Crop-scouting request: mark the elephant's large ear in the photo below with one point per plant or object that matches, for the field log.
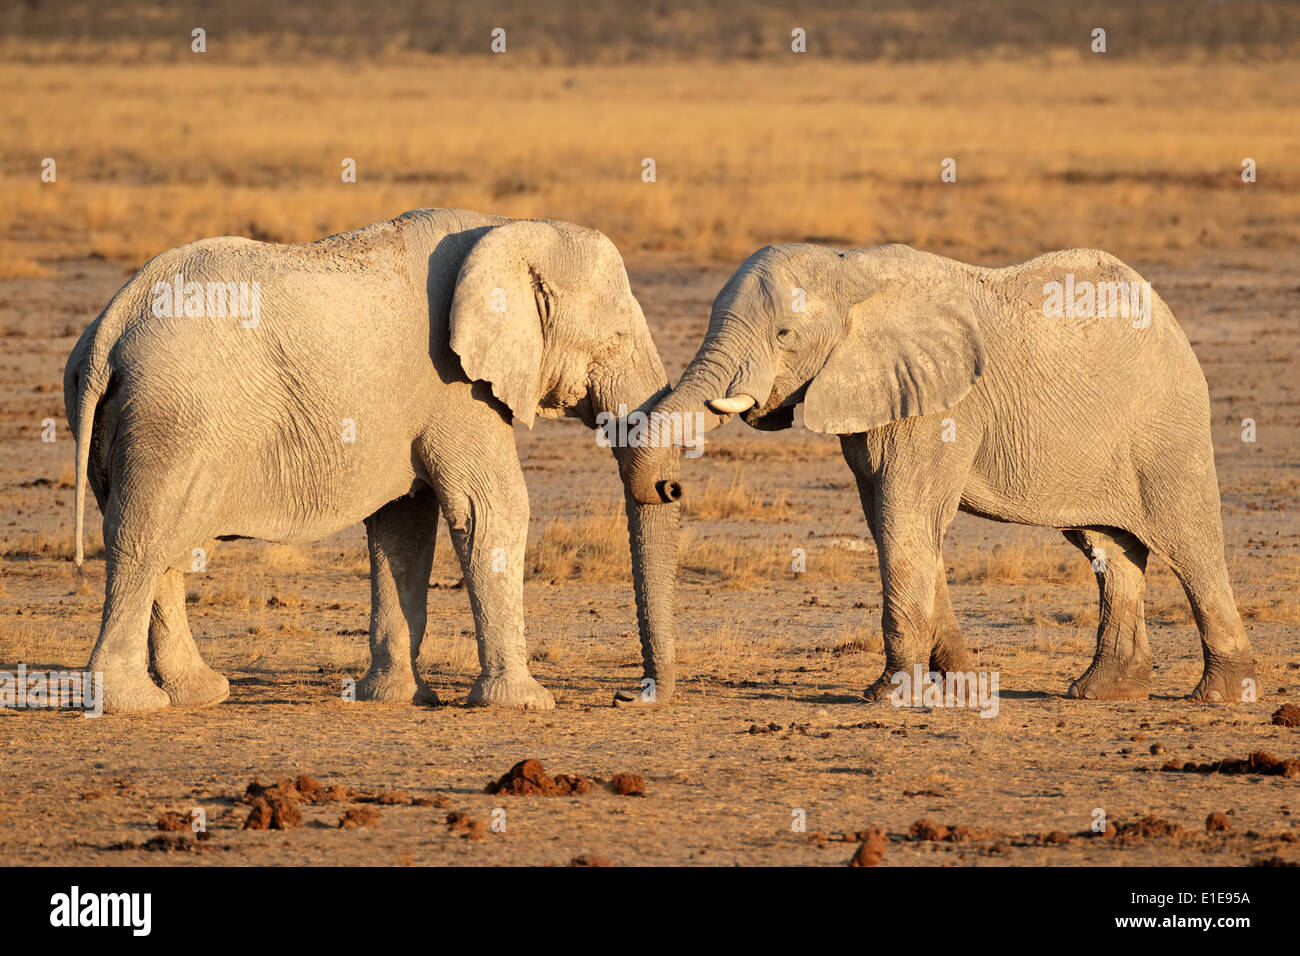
(905, 353)
(500, 304)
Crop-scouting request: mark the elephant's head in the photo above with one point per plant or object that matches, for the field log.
(544, 313)
(862, 337)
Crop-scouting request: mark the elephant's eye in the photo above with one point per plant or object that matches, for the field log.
(785, 337)
(542, 295)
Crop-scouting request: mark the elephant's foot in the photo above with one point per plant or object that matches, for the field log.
(197, 687)
(949, 655)
(654, 692)
(510, 690)
(1224, 680)
(131, 693)
(1108, 678)
(395, 687)
(880, 688)
(902, 693)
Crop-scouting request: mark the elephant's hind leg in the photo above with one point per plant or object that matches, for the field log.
(948, 652)
(147, 522)
(1121, 666)
(401, 537)
(121, 654)
(173, 655)
(1229, 662)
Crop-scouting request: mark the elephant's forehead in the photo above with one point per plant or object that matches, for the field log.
(593, 239)
(752, 288)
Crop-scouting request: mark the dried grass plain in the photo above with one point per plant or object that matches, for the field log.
(1057, 148)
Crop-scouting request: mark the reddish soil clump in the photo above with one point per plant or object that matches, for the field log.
(928, 831)
(1288, 715)
(1149, 827)
(309, 789)
(170, 821)
(1217, 822)
(165, 843)
(529, 778)
(390, 798)
(1260, 762)
(274, 813)
(872, 850)
(628, 784)
(305, 789)
(589, 859)
(458, 821)
(821, 839)
(356, 817)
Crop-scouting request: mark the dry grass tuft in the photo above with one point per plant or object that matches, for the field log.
(593, 546)
(453, 655)
(733, 648)
(734, 499)
(1021, 560)
(1283, 609)
(856, 643)
(730, 562)
(58, 544)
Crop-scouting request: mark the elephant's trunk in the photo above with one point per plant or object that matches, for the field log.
(652, 535)
(685, 409)
(653, 517)
(646, 487)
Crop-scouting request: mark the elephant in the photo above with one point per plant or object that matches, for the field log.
(242, 389)
(954, 387)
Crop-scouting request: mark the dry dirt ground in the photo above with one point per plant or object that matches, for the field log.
(767, 720)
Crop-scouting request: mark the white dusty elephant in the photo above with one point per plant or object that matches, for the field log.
(240, 389)
(1017, 394)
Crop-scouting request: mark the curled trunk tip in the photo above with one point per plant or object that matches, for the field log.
(669, 491)
(646, 489)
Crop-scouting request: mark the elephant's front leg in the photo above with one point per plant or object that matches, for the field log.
(909, 560)
(486, 504)
(947, 645)
(401, 537)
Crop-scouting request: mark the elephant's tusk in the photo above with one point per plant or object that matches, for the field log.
(732, 404)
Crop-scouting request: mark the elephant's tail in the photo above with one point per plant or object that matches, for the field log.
(86, 380)
(87, 402)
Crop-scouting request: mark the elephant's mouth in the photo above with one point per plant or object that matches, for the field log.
(777, 413)
(769, 421)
